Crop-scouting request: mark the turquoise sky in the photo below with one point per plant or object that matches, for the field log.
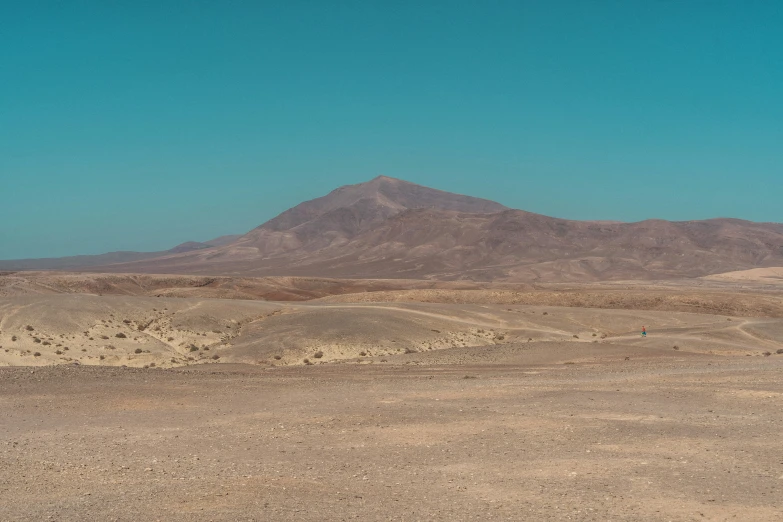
(139, 125)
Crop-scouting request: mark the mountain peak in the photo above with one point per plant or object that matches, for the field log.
(377, 200)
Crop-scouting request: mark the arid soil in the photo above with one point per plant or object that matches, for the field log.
(402, 403)
(631, 434)
(168, 332)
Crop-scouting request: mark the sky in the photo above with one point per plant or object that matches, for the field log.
(137, 125)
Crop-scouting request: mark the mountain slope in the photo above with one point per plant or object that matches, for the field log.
(389, 228)
(110, 258)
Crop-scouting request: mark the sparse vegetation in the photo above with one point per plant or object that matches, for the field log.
(104, 336)
(193, 348)
(36, 340)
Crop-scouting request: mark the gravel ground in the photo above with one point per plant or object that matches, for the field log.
(651, 439)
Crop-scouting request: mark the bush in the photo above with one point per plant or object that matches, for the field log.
(101, 357)
(307, 361)
(29, 328)
(215, 357)
(137, 350)
(193, 348)
(104, 336)
(46, 343)
(576, 336)
(36, 340)
(169, 339)
(363, 354)
(120, 335)
(14, 338)
(676, 347)
(318, 354)
(278, 357)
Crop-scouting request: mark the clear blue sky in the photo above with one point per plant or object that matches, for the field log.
(139, 125)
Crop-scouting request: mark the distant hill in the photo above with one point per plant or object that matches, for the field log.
(77, 262)
(389, 228)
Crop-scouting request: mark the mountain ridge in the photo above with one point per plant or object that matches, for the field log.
(390, 228)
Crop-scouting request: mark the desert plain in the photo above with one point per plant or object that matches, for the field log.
(129, 397)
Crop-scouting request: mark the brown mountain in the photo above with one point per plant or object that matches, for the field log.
(388, 228)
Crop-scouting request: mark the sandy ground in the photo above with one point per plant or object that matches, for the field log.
(654, 437)
(133, 407)
(170, 332)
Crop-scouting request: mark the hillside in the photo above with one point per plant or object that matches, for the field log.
(389, 228)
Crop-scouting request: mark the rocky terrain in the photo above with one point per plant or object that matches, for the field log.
(568, 432)
(389, 228)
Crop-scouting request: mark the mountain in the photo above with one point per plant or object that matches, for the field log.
(110, 258)
(389, 228)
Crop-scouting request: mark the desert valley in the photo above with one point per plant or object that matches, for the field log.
(394, 352)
